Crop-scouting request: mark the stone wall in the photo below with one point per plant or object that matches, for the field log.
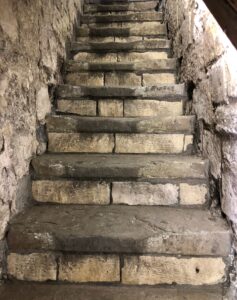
(208, 64)
(33, 45)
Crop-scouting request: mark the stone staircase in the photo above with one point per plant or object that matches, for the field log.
(121, 198)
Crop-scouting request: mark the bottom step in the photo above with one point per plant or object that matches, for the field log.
(75, 292)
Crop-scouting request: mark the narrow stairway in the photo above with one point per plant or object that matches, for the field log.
(121, 198)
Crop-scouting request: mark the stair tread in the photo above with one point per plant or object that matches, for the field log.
(81, 292)
(120, 229)
(136, 167)
(162, 91)
(64, 123)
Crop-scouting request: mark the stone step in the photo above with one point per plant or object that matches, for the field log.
(121, 78)
(119, 167)
(153, 29)
(109, 2)
(128, 25)
(70, 124)
(116, 229)
(100, 57)
(158, 45)
(150, 66)
(160, 92)
(131, 17)
(82, 292)
(126, 7)
(121, 108)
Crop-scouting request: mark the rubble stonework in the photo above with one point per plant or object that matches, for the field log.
(33, 36)
(209, 67)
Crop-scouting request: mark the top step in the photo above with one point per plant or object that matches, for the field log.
(121, 7)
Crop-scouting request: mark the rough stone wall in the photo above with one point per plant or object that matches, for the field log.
(208, 64)
(33, 39)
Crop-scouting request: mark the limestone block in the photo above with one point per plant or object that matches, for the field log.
(71, 192)
(128, 39)
(32, 267)
(188, 142)
(136, 56)
(193, 194)
(81, 142)
(110, 108)
(79, 107)
(122, 79)
(94, 57)
(153, 270)
(152, 108)
(149, 143)
(226, 119)
(43, 105)
(74, 268)
(162, 78)
(144, 193)
(93, 39)
(94, 79)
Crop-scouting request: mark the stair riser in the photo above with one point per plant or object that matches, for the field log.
(120, 108)
(143, 6)
(135, 270)
(128, 25)
(135, 17)
(129, 193)
(119, 79)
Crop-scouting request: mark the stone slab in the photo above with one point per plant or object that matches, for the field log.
(120, 229)
(95, 57)
(92, 166)
(80, 107)
(154, 270)
(80, 142)
(141, 56)
(122, 79)
(157, 45)
(143, 6)
(88, 79)
(81, 292)
(193, 194)
(160, 92)
(70, 124)
(71, 192)
(162, 78)
(110, 108)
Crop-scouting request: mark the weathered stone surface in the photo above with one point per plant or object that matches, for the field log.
(82, 292)
(94, 39)
(136, 56)
(110, 108)
(119, 166)
(95, 57)
(141, 29)
(122, 79)
(120, 229)
(71, 192)
(92, 78)
(131, 17)
(81, 142)
(140, 67)
(143, 6)
(70, 124)
(151, 108)
(161, 46)
(144, 193)
(32, 267)
(149, 143)
(74, 268)
(153, 270)
(163, 78)
(79, 107)
(193, 194)
(162, 91)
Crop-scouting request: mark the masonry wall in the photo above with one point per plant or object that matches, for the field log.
(208, 64)
(33, 44)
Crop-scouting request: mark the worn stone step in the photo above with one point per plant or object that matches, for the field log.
(126, 7)
(131, 17)
(119, 229)
(70, 124)
(121, 108)
(109, 2)
(127, 192)
(119, 167)
(150, 66)
(82, 292)
(121, 78)
(99, 57)
(162, 91)
(151, 29)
